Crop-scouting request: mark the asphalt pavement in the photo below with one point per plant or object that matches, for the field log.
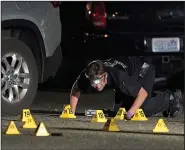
(80, 133)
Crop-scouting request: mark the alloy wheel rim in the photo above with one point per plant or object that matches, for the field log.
(15, 77)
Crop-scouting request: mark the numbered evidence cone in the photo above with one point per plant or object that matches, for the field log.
(120, 114)
(160, 126)
(12, 129)
(30, 123)
(25, 114)
(99, 116)
(41, 131)
(110, 125)
(139, 116)
(67, 112)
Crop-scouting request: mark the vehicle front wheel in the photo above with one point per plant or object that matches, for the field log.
(19, 76)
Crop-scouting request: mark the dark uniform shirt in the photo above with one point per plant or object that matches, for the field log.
(123, 73)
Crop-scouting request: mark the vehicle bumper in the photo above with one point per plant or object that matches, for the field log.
(103, 46)
(127, 43)
(52, 64)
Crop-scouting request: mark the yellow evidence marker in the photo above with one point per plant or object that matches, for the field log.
(12, 129)
(139, 116)
(30, 123)
(67, 112)
(120, 114)
(160, 126)
(41, 131)
(25, 114)
(66, 106)
(99, 116)
(110, 125)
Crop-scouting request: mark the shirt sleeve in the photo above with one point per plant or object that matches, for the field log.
(127, 84)
(82, 82)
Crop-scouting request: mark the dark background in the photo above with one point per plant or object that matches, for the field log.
(77, 54)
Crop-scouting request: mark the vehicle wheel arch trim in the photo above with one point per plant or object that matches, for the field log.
(30, 25)
(26, 23)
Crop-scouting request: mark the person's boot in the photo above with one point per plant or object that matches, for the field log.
(175, 107)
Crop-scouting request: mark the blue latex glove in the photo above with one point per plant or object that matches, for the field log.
(128, 116)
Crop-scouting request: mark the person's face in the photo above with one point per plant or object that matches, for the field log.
(100, 82)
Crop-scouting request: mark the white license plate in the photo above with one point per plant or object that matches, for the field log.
(165, 44)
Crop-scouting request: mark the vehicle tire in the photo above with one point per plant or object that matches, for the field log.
(12, 78)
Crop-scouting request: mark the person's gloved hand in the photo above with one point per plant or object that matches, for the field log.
(128, 115)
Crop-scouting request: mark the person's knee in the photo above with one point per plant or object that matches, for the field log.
(147, 113)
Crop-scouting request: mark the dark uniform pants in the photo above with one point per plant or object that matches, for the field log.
(153, 103)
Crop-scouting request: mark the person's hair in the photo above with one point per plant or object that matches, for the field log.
(95, 68)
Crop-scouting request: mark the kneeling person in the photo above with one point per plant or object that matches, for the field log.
(132, 80)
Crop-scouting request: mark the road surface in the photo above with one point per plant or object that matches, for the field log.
(80, 133)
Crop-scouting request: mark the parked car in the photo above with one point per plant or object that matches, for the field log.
(30, 52)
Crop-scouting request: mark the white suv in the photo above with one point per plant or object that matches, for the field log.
(30, 52)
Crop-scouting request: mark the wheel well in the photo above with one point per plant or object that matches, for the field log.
(23, 30)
